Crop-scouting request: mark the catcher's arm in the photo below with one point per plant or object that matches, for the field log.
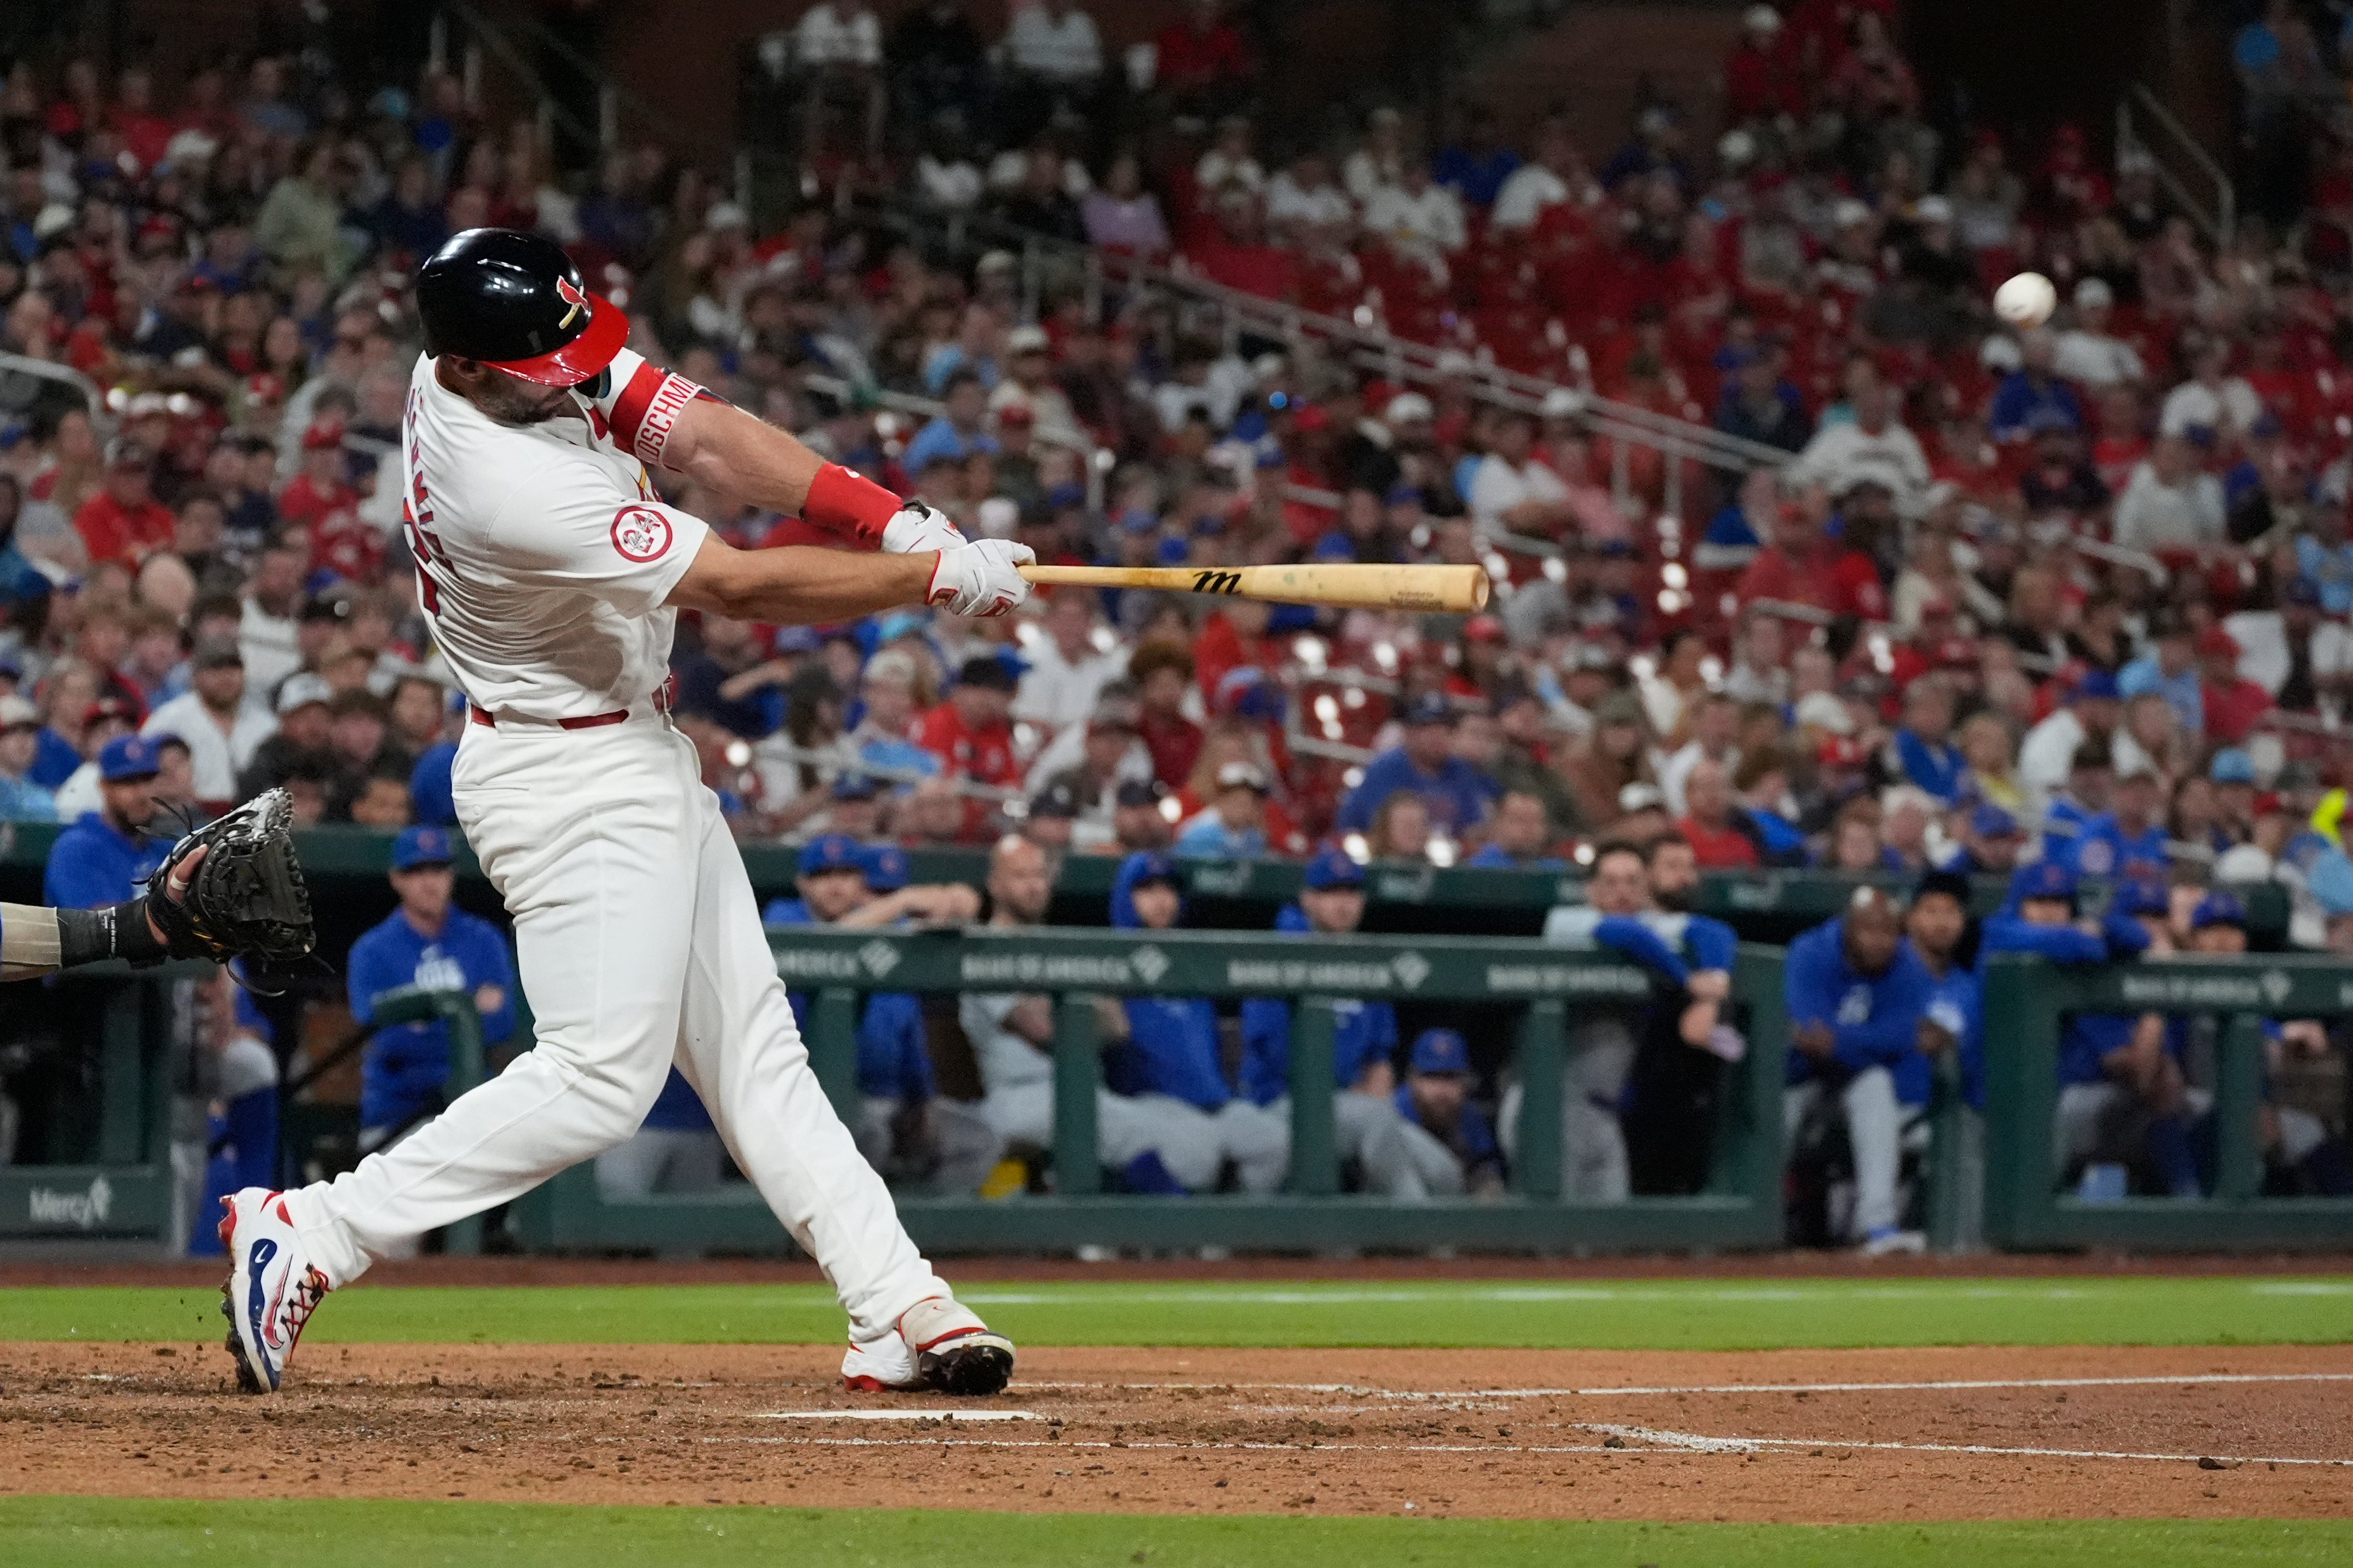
(232, 889)
(36, 940)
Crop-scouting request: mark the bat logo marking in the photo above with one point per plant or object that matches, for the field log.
(1217, 582)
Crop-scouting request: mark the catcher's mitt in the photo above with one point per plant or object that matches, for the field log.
(246, 898)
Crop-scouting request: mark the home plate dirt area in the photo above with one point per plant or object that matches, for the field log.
(1813, 1435)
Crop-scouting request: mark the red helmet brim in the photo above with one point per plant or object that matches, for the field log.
(581, 358)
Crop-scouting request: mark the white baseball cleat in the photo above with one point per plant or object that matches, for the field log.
(1887, 1241)
(272, 1289)
(940, 1345)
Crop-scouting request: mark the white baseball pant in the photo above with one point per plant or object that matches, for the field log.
(639, 945)
(1126, 1125)
(1593, 1162)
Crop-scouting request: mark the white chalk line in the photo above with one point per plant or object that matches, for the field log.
(1651, 1389)
(1409, 1295)
(950, 1416)
(1696, 1443)
(1689, 1442)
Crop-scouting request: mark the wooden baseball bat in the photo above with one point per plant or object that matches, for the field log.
(1348, 586)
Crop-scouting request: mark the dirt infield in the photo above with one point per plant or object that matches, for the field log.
(1799, 1436)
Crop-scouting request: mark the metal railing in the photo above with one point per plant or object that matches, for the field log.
(14, 367)
(2026, 1001)
(459, 30)
(2139, 109)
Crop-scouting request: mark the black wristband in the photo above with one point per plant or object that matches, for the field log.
(134, 939)
(94, 936)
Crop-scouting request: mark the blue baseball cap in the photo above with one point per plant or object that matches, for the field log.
(421, 847)
(1152, 865)
(2141, 896)
(2233, 765)
(831, 852)
(1333, 868)
(886, 867)
(2097, 683)
(1430, 708)
(1441, 1050)
(2044, 879)
(1989, 821)
(131, 757)
(2219, 909)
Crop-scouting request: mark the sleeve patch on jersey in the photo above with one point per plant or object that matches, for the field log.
(641, 533)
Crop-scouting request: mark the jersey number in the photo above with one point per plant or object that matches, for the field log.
(417, 520)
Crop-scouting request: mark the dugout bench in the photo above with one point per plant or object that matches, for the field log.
(1538, 986)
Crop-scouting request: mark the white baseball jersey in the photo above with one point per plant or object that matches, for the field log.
(542, 555)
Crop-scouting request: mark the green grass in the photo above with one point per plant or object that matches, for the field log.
(96, 1531)
(1689, 1314)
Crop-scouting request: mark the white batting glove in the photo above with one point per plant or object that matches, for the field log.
(916, 528)
(981, 578)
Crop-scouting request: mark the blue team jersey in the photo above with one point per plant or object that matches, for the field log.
(1473, 1141)
(1362, 1033)
(1875, 1019)
(894, 1061)
(1934, 766)
(406, 1065)
(2104, 849)
(1495, 857)
(1458, 797)
(430, 799)
(1171, 1048)
(2084, 1038)
(54, 759)
(1956, 1004)
(93, 864)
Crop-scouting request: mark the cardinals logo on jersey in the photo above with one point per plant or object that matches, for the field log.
(572, 296)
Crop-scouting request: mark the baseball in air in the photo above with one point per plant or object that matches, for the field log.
(2026, 299)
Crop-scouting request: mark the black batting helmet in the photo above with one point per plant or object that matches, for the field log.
(516, 301)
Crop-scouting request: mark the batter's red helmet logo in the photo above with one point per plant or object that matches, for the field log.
(571, 297)
(641, 533)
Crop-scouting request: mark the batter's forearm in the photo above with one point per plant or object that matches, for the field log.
(798, 585)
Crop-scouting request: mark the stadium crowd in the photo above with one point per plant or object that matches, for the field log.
(2071, 599)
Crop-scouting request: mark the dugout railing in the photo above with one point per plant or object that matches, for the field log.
(2027, 1002)
(141, 1035)
(345, 868)
(1538, 988)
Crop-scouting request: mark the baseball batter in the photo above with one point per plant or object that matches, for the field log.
(551, 575)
